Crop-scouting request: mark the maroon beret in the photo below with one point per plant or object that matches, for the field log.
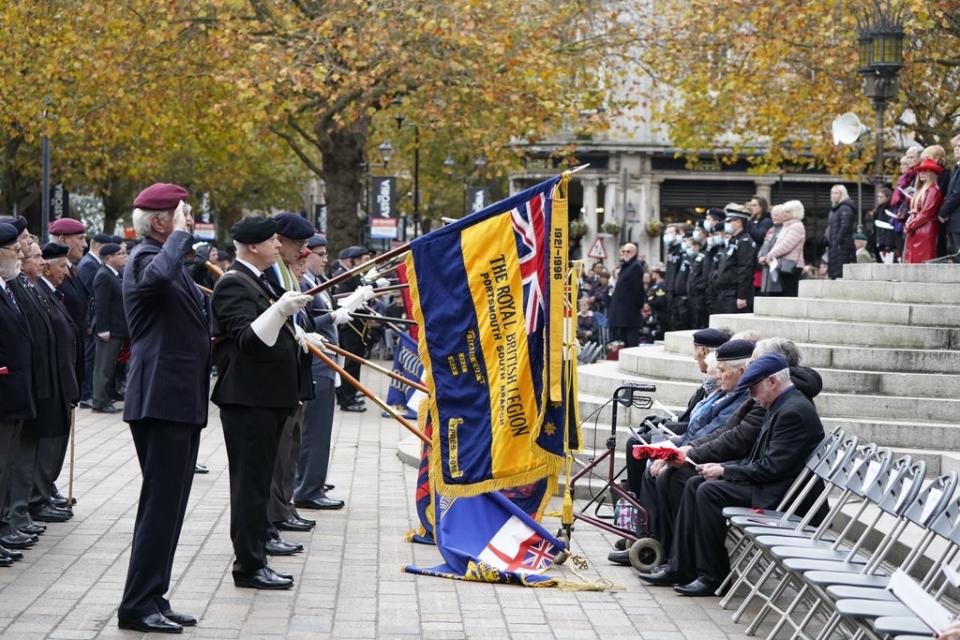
(67, 227)
(161, 196)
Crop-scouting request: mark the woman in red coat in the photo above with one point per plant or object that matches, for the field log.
(922, 225)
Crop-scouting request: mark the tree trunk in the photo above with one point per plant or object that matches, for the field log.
(117, 197)
(343, 172)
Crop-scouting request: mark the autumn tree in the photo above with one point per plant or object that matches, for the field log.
(474, 74)
(764, 80)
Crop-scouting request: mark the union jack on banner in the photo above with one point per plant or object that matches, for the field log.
(539, 555)
(528, 224)
(533, 554)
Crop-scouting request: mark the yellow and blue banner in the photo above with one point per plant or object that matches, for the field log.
(487, 294)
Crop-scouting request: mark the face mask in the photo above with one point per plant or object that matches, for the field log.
(727, 228)
(708, 225)
(668, 239)
(689, 251)
(698, 235)
(709, 384)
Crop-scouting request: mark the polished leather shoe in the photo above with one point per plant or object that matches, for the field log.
(33, 529)
(200, 468)
(699, 588)
(110, 408)
(285, 576)
(6, 562)
(620, 557)
(62, 503)
(292, 524)
(329, 487)
(319, 503)
(182, 619)
(18, 541)
(264, 578)
(153, 623)
(281, 548)
(356, 408)
(10, 555)
(306, 521)
(662, 577)
(50, 513)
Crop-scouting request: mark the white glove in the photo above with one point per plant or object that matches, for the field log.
(357, 298)
(268, 324)
(382, 282)
(301, 338)
(340, 316)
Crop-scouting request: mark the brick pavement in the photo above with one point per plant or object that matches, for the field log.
(348, 579)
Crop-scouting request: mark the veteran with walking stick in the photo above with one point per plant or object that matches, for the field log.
(166, 400)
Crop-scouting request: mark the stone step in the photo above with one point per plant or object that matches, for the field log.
(947, 273)
(857, 358)
(842, 333)
(601, 378)
(858, 311)
(905, 292)
(656, 362)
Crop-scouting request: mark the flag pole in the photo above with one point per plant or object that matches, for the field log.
(346, 275)
(387, 372)
(376, 292)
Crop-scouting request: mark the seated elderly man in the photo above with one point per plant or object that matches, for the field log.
(708, 415)
(791, 430)
(732, 441)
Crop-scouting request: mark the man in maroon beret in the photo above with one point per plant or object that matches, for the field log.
(166, 401)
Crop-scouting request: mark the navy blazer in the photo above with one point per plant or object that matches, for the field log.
(16, 384)
(321, 322)
(86, 270)
(108, 304)
(168, 377)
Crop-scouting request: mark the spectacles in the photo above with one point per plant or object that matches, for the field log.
(322, 254)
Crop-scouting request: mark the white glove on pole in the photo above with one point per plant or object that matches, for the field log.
(268, 324)
(358, 297)
(301, 338)
(340, 316)
(382, 282)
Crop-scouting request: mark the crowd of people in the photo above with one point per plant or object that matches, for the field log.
(151, 323)
(742, 441)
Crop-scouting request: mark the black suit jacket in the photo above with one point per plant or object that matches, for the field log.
(250, 373)
(16, 382)
(75, 299)
(67, 340)
(108, 304)
(627, 300)
(86, 270)
(43, 356)
(950, 208)
(168, 377)
(791, 431)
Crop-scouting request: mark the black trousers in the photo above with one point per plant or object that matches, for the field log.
(104, 368)
(630, 336)
(22, 480)
(354, 343)
(670, 485)
(167, 452)
(9, 445)
(89, 354)
(251, 435)
(725, 301)
(643, 486)
(315, 438)
(285, 468)
(698, 543)
(51, 454)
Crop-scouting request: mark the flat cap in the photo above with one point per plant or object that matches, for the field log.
(67, 227)
(290, 225)
(253, 229)
(53, 250)
(716, 213)
(108, 249)
(17, 221)
(765, 365)
(735, 350)
(102, 238)
(160, 196)
(8, 234)
(710, 337)
(316, 240)
(352, 252)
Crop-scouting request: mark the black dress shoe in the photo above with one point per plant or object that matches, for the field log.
(111, 408)
(6, 562)
(622, 544)
(281, 548)
(62, 503)
(264, 578)
(153, 623)
(662, 577)
(50, 513)
(356, 408)
(699, 588)
(285, 576)
(620, 557)
(306, 521)
(7, 554)
(329, 487)
(200, 468)
(33, 529)
(18, 541)
(292, 524)
(319, 503)
(181, 619)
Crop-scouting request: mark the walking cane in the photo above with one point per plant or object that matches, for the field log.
(73, 452)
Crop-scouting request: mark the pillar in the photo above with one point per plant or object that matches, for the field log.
(589, 185)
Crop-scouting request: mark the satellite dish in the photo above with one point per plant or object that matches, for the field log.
(847, 129)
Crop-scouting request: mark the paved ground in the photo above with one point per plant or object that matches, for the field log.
(349, 582)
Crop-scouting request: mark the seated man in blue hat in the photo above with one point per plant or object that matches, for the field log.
(790, 431)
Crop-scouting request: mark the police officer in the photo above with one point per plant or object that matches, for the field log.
(166, 401)
(657, 296)
(679, 307)
(673, 255)
(734, 282)
(697, 281)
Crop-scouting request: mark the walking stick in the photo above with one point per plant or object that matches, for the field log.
(73, 452)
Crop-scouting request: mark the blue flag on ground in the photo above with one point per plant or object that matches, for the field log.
(406, 362)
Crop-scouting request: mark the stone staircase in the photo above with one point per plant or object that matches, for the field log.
(885, 339)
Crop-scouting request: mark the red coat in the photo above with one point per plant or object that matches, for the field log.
(921, 229)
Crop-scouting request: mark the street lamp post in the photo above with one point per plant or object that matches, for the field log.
(416, 175)
(449, 164)
(881, 58)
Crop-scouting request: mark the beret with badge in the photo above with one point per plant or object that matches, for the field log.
(735, 350)
(67, 227)
(161, 196)
(764, 366)
(108, 249)
(102, 238)
(53, 250)
(253, 230)
(8, 234)
(17, 221)
(316, 240)
(293, 226)
(710, 337)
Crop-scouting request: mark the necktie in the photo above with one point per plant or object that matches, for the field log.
(271, 287)
(13, 301)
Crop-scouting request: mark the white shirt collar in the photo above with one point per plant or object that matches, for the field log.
(115, 272)
(48, 283)
(256, 271)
